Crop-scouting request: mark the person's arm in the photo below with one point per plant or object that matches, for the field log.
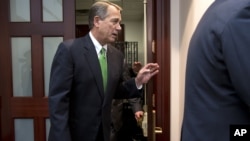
(59, 89)
(136, 105)
(130, 87)
(236, 50)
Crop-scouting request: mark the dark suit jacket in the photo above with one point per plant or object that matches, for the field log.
(217, 92)
(77, 104)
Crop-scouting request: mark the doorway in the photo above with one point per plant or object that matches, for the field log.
(131, 41)
(155, 41)
(30, 108)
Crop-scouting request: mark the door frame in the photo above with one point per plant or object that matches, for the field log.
(158, 50)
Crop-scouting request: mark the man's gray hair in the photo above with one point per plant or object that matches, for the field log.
(99, 9)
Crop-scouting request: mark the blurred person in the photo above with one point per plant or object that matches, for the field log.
(126, 114)
(217, 92)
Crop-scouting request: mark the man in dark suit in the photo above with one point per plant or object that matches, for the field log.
(79, 102)
(126, 113)
(217, 91)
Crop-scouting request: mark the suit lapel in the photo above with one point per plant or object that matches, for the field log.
(113, 67)
(93, 62)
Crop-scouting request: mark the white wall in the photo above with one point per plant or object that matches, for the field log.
(134, 32)
(185, 14)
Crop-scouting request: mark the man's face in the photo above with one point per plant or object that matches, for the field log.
(110, 26)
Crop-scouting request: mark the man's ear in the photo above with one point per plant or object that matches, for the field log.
(97, 21)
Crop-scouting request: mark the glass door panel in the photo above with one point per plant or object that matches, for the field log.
(20, 10)
(49, 50)
(24, 129)
(21, 64)
(52, 11)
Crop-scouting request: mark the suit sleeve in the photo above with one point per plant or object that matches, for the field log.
(60, 85)
(236, 49)
(127, 88)
(136, 104)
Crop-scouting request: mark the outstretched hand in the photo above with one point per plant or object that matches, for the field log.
(146, 73)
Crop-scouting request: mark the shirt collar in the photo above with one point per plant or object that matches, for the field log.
(97, 45)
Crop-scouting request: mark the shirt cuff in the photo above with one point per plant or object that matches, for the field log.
(138, 87)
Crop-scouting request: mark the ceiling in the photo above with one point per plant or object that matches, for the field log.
(132, 9)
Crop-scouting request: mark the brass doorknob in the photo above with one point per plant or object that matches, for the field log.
(158, 130)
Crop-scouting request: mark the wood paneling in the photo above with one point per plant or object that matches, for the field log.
(163, 79)
(158, 20)
(35, 107)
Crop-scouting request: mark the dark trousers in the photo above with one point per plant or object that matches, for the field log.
(130, 130)
(100, 134)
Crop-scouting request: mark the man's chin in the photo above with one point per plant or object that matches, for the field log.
(112, 40)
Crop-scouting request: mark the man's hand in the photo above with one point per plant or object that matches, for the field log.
(139, 116)
(146, 73)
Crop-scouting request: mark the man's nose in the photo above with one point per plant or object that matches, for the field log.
(118, 27)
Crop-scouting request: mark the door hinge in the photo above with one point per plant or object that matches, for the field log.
(153, 100)
(153, 46)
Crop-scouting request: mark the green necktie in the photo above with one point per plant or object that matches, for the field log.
(103, 64)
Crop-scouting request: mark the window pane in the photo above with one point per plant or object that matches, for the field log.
(47, 128)
(52, 10)
(24, 129)
(21, 65)
(19, 10)
(49, 50)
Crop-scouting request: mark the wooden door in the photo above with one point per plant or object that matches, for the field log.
(30, 33)
(81, 30)
(158, 90)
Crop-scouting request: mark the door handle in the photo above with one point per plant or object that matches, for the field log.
(156, 130)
